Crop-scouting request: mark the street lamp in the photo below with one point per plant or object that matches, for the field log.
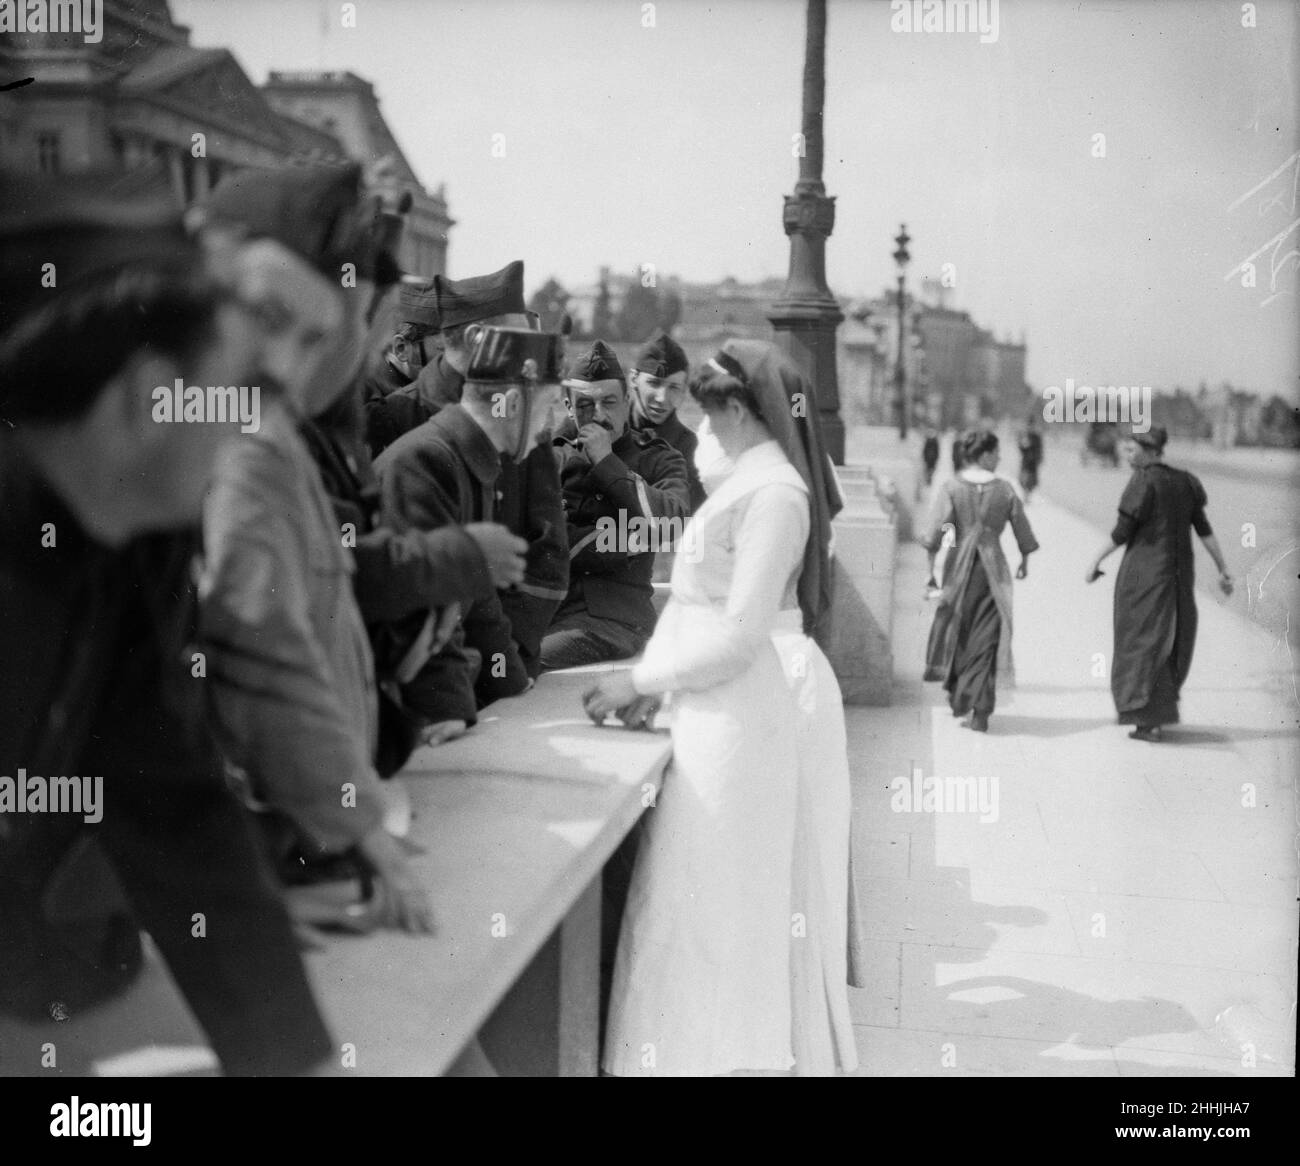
(902, 257)
(807, 314)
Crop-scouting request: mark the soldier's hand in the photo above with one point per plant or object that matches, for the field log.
(597, 441)
(503, 551)
(406, 903)
(448, 618)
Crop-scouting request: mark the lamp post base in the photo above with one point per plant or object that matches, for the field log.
(805, 332)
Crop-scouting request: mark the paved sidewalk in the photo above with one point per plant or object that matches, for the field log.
(1132, 909)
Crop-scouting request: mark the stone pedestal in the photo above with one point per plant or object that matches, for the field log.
(862, 612)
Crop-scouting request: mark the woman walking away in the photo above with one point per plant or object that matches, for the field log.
(1155, 604)
(752, 828)
(970, 641)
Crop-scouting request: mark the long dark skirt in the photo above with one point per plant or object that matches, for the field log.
(1162, 707)
(972, 680)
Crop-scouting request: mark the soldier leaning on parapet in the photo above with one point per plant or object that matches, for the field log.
(446, 471)
(98, 509)
(608, 470)
(292, 675)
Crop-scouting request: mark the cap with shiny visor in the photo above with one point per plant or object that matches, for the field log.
(517, 356)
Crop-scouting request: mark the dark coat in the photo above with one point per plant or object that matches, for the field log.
(682, 438)
(397, 574)
(96, 678)
(529, 504)
(387, 416)
(412, 403)
(446, 472)
(1155, 588)
(642, 477)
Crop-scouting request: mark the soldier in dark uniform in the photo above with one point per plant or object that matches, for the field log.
(393, 367)
(530, 504)
(619, 485)
(658, 385)
(447, 471)
(98, 509)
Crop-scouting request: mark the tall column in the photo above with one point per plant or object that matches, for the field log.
(807, 315)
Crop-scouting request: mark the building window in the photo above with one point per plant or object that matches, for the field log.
(47, 152)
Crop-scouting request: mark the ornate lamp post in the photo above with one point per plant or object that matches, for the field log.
(807, 314)
(902, 257)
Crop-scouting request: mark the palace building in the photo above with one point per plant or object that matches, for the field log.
(142, 94)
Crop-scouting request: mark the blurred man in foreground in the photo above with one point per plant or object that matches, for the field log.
(99, 501)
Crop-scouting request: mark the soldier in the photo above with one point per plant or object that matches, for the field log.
(446, 471)
(658, 385)
(406, 351)
(530, 503)
(292, 674)
(619, 486)
(99, 506)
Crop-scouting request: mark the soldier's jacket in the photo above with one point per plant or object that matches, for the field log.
(97, 677)
(529, 506)
(643, 477)
(411, 404)
(387, 417)
(443, 472)
(397, 574)
(682, 438)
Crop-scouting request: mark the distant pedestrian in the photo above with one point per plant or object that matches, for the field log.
(1155, 604)
(1031, 456)
(970, 641)
(930, 454)
(958, 453)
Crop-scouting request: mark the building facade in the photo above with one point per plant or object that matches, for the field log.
(143, 95)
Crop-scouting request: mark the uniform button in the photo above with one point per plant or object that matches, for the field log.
(599, 497)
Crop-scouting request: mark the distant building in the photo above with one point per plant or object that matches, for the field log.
(344, 106)
(144, 95)
(957, 372)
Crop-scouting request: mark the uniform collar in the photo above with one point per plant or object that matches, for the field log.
(473, 445)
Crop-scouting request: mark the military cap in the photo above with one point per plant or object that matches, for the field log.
(597, 363)
(417, 303)
(661, 356)
(1153, 438)
(515, 354)
(480, 297)
(83, 227)
(317, 211)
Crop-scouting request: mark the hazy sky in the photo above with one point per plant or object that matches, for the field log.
(671, 145)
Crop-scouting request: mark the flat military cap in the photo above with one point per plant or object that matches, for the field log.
(417, 303)
(515, 354)
(661, 356)
(480, 297)
(597, 363)
(317, 211)
(59, 234)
